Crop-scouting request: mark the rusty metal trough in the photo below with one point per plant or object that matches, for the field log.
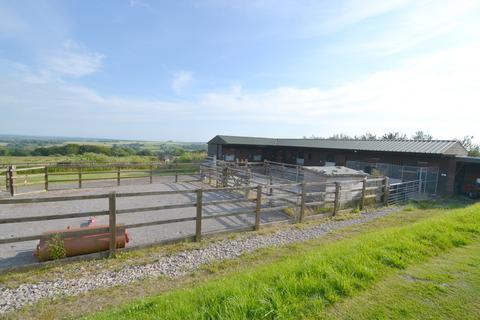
(75, 244)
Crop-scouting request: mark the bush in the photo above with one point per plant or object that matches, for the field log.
(56, 247)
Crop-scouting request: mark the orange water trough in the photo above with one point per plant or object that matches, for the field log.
(81, 244)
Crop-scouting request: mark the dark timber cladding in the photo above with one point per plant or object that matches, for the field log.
(318, 152)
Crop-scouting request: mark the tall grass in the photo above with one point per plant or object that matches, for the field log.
(302, 286)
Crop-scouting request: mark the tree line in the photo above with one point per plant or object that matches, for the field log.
(82, 149)
(73, 149)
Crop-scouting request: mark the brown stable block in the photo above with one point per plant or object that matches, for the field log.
(82, 244)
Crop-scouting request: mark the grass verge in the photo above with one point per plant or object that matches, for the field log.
(445, 287)
(304, 286)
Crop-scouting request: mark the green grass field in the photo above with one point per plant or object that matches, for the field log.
(426, 269)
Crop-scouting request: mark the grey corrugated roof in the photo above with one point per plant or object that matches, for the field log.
(444, 147)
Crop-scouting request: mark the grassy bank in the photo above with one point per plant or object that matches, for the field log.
(307, 286)
(446, 287)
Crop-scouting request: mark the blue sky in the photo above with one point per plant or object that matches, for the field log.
(187, 70)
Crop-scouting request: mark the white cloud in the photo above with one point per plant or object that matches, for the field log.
(437, 93)
(353, 11)
(422, 21)
(74, 60)
(181, 80)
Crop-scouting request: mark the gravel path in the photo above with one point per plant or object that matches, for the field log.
(174, 265)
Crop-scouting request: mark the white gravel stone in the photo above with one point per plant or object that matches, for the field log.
(173, 266)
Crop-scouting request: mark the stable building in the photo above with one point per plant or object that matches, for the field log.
(438, 163)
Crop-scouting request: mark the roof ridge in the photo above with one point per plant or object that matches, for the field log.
(352, 139)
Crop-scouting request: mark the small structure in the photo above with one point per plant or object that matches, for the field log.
(351, 181)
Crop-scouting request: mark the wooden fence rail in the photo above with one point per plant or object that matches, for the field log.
(48, 175)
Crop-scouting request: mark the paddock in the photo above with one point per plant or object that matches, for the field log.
(226, 201)
(217, 198)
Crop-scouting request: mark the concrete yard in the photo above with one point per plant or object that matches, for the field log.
(21, 253)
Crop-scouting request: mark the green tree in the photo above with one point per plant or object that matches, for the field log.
(472, 148)
(420, 135)
(395, 136)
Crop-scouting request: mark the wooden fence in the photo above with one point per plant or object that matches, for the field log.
(295, 197)
(317, 197)
(45, 176)
(113, 211)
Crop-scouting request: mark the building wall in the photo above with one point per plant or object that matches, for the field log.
(446, 179)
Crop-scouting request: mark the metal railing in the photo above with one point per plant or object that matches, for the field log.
(403, 192)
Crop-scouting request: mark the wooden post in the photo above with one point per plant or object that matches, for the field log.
(209, 176)
(176, 172)
(247, 183)
(79, 177)
(198, 220)
(7, 187)
(270, 182)
(151, 173)
(337, 198)
(46, 178)
(364, 191)
(258, 207)
(225, 177)
(118, 176)
(112, 208)
(12, 179)
(303, 197)
(386, 189)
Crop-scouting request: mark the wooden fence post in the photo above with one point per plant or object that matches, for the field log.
(118, 176)
(270, 191)
(302, 202)
(337, 198)
(112, 208)
(12, 172)
(225, 177)
(7, 187)
(46, 178)
(247, 183)
(151, 173)
(386, 189)
(258, 207)
(198, 220)
(79, 177)
(364, 191)
(176, 172)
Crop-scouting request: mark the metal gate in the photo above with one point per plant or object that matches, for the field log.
(404, 191)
